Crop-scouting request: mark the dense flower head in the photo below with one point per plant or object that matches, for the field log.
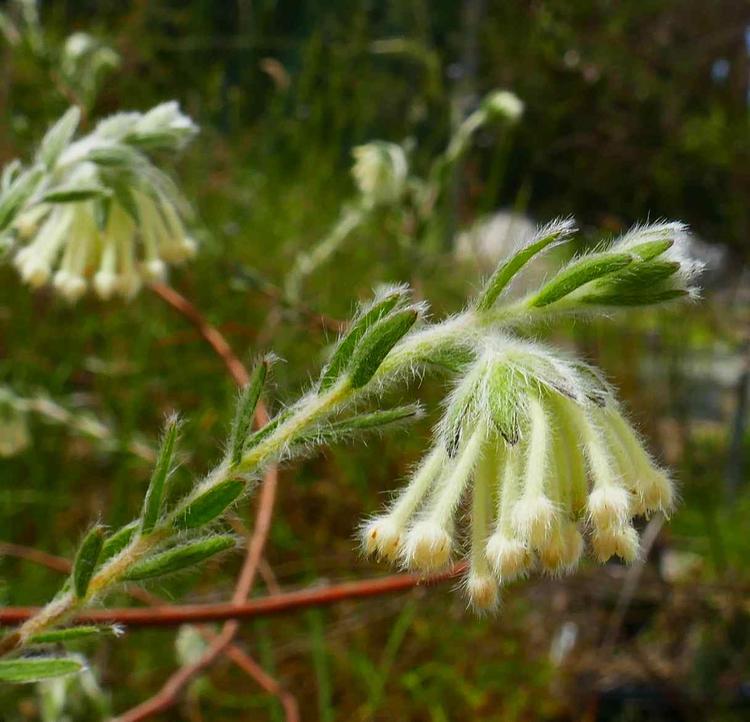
(552, 464)
(380, 171)
(505, 104)
(98, 212)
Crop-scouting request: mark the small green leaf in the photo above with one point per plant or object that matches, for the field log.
(179, 558)
(68, 634)
(377, 343)
(362, 323)
(152, 504)
(86, 560)
(74, 194)
(580, 272)
(505, 272)
(243, 415)
(205, 507)
(643, 299)
(115, 543)
(58, 136)
(374, 421)
(34, 669)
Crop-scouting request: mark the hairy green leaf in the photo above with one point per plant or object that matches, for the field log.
(68, 634)
(58, 136)
(86, 560)
(207, 506)
(506, 271)
(579, 273)
(348, 428)
(243, 415)
(152, 504)
(377, 343)
(115, 543)
(370, 315)
(34, 669)
(179, 558)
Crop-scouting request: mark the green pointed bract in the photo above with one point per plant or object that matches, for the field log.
(377, 343)
(206, 507)
(651, 249)
(243, 416)
(462, 407)
(117, 541)
(179, 558)
(86, 560)
(503, 396)
(577, 274)
(70, 634)
(367, 318)
(505, 272)
(35, 669)
(58, 136)
(152, 504)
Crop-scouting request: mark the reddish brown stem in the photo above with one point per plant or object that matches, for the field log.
(169, 615)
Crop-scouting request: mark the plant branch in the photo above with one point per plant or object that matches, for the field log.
(169, 615)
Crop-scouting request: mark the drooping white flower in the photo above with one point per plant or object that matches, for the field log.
(98, 212)
(549, 458)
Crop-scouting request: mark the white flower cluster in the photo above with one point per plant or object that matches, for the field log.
(380, 170)
(98, 211)
(536, 434)
(551, 459)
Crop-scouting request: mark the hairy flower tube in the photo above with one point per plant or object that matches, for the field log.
(98, 212)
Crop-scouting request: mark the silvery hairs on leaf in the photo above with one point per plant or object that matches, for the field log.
(98, 212)
(536, 436)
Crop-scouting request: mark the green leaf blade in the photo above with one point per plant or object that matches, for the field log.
(377, 344)
(208, 506)
(244, 413)
(551, 234)
(87, 559)
(24, 671)
(179, 558)
(579, 273)
(152, 504)
(341, 357)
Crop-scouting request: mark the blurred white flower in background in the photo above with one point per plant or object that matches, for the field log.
(493, 237)
(98, 211)
(505, 104)
(380, 171)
